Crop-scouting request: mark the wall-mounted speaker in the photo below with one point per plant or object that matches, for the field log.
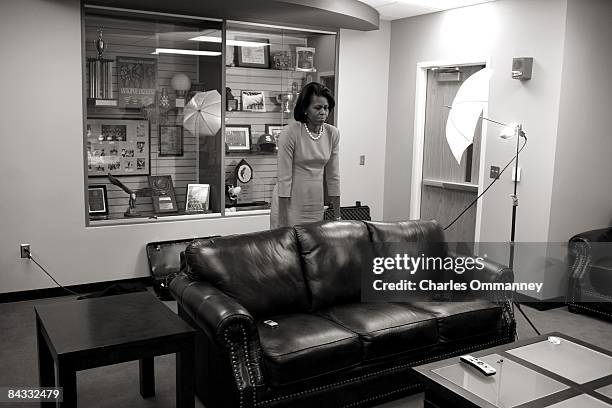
(522, 67)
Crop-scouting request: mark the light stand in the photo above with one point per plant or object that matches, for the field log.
(508, 132)
(518, 131)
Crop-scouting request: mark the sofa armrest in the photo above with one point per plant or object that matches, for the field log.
(491, 272)
(590, 266)
(598, 235)
(229, 325)
(214, 311)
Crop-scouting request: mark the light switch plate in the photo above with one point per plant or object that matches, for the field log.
(362, 160)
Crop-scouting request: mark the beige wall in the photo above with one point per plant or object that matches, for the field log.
(582, 189)
(41, 155)
(362, 115)
(41, 152)
(498, 31)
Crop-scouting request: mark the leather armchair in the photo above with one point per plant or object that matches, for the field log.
(590, 273)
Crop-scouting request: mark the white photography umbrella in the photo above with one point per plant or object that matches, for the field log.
(467, 107)
(202, 114)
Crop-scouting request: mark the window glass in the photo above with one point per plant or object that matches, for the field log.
(153, 116)
(266, 67)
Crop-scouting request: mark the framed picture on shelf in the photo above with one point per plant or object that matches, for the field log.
(118, 146)
(304, 59)
(137, 81)
(274, 131)
(253, 101)
(197, 197)
(283, 60)
(162, 194)
(238, 138)
(170, 140)
(253, 52)
(98, 200)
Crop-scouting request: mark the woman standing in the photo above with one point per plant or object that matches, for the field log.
(307, 149)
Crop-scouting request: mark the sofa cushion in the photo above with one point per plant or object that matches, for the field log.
(260, 270)
(304, 346)
(462, 320)
(385, 329)
(426, 237)
(334, 255)
(416, 239)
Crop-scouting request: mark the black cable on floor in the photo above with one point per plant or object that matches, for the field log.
(30, 257)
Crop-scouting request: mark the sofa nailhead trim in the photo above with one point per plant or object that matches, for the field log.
(583, 256)
(235, 368)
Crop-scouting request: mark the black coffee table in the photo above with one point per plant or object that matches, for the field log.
(83, 334)
(532, 373)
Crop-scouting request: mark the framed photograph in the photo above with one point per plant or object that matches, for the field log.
(137, 81)
(274, 131)
(283, 60)
(197, 197)
(253, 101)
(304, 59)
(98, 200)
(162, 194)
(238, 138)
(170, 140)
(255, 53)
(118, 146)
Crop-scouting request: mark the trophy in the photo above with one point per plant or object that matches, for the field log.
(287, 99)
(100, 44)
(100, 72)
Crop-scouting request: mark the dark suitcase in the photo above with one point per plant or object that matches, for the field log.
(356, 212)
(165, 261)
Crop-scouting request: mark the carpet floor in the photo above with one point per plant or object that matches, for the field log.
(117, 385)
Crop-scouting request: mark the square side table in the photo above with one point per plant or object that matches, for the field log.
(82, 334)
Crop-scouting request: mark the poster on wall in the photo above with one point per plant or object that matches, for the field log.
(137, 78)
(117, 146)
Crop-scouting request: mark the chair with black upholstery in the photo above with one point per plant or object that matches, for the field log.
(590, 269)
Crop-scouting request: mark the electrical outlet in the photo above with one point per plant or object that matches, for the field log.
(494, 173)
(25, 250)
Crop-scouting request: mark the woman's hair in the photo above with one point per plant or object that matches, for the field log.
(305, 97)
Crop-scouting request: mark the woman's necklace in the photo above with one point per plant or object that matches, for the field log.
(318, 136)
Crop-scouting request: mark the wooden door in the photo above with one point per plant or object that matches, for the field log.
(447, 187)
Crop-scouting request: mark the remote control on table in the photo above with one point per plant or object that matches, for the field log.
(480, 365)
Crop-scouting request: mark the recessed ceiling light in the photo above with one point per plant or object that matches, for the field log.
(186, 52)
(239, 43)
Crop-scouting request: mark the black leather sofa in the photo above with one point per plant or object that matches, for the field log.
(329, 349)
(590, 273)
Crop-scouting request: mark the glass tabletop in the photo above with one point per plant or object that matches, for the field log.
(582, 401)
(512, 384)
(569, 360)
(607, 391)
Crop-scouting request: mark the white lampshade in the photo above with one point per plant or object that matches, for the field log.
(180, 82)
(465, 112)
